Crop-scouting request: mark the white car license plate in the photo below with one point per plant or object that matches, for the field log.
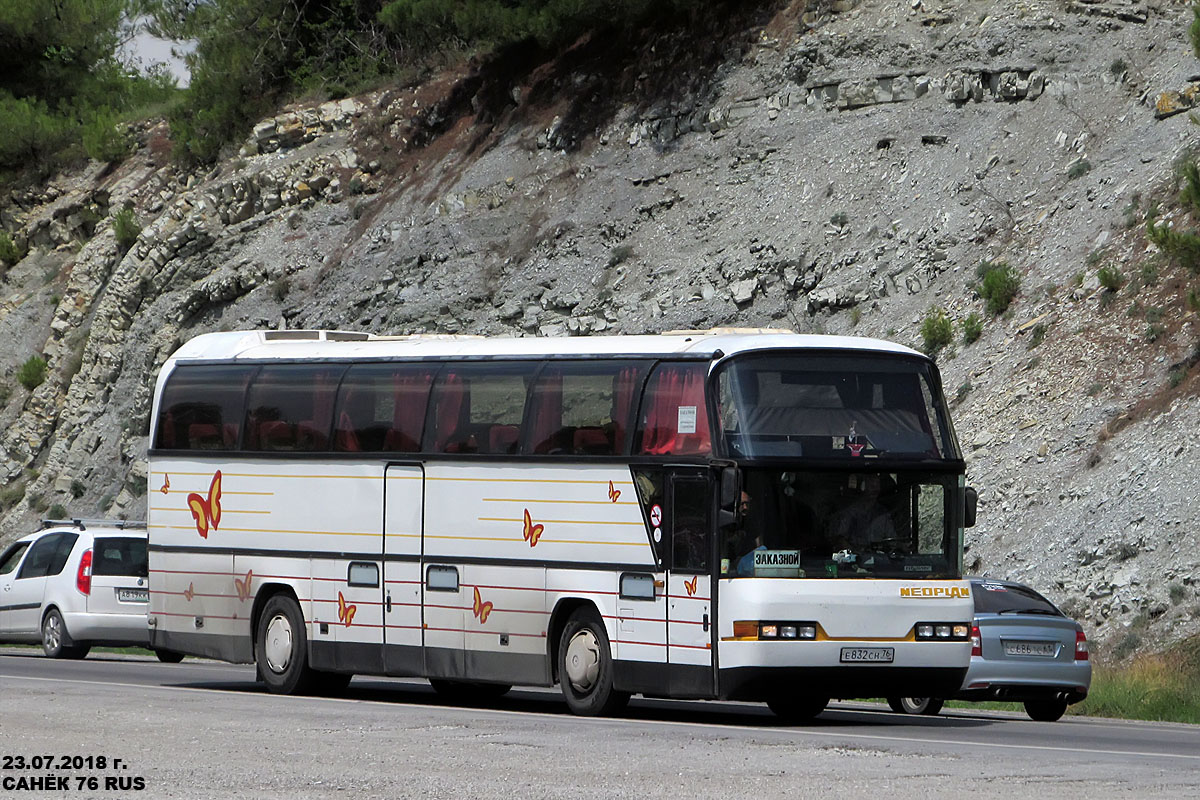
(1029, 648)
(876, 655)
(133, 595)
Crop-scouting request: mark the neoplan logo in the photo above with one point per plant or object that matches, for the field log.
(935, 591)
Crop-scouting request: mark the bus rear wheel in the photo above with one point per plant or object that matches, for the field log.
(585, 667)
(281, 648)
(797, 708)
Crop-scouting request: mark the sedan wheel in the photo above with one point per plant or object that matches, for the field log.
(55, 638)
(915, 705)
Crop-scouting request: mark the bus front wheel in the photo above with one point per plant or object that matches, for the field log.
(585, 667)
(281, 648)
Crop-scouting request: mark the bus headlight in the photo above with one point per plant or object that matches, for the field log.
(942, 631)
(793, 631)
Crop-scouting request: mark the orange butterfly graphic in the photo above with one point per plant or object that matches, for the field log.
(482, 609)
(346, 610)
(189, 592)
(613, 492)
(243, 585)
(691, 585)
(532, 532)
(166, 484)
(207, 510)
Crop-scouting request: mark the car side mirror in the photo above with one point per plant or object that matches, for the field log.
(972, 507)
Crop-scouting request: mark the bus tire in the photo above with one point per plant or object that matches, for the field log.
(281, 648)
(929, 706)
(469, 691)
(168, 656)
(797, 708)
(585, 667)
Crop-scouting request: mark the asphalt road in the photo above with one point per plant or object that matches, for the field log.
(205, 730)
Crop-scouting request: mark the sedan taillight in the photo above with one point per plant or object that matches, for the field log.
(976, 643)
(1081, 646)
(83, 578)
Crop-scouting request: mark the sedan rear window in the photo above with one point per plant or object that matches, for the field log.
(120, 556)
(1006, 598)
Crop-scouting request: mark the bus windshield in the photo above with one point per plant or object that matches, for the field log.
(833, 406)
(822, 524)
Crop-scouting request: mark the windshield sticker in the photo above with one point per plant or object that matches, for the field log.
(687, 419)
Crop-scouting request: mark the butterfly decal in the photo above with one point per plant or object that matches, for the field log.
(480, 608)
(243, 585)
(207, 510)
(346, 610)
(691, 585)
(189, 592)
(613, 492)
(532, 532)
(166, 484)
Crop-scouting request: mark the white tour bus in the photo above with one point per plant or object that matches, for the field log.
(725, 514)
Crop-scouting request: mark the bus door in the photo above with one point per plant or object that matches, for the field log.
(404, 492)
(689, 584)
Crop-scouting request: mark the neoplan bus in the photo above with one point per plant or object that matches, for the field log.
(767, 516)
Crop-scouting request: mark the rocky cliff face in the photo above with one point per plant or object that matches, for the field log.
(834, 169)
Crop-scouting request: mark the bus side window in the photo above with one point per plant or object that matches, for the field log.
(478, 408)
(674, 417)
(202, 407)
(291, 407)
(582, 409)
(381, 408)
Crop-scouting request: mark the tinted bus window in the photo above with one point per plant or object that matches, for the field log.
(202, 408)
(478, 408)
(583, 408)
(381, 408)
(674, 418)
(290, 407)
(833, 406)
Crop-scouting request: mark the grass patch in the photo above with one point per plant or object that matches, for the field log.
(1163, 688)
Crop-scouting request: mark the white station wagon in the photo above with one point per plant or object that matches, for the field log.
(75, 584)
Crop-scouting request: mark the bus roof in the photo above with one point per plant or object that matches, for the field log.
(321, 344)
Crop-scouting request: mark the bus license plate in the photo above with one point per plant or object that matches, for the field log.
(876, 655)
(133, 595)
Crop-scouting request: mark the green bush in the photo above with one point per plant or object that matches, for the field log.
(1183, 247)
(1079, 169)
(126, 228)
(937, 331)
(1111, 278)
(999, 285)
(972, 328)
(32, 373)
(10, 251)
(11, 495)
(57, 511)
(1037, 335)
(103, 139)
(1194, 29)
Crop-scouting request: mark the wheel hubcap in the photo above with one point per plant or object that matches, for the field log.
(278, 643)
(583, 660)
(52, 633)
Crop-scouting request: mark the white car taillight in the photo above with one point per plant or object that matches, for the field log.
(1081, 646)
(976, 643)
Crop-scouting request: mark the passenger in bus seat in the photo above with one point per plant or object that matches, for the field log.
(866, 522)
(751, 538)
